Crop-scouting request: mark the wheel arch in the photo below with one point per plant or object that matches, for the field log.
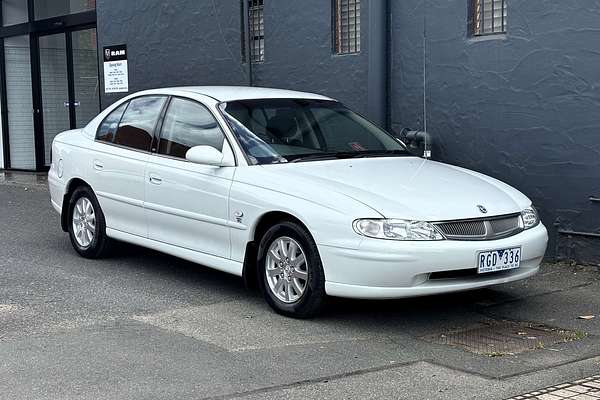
(263, 223)
(73, 184)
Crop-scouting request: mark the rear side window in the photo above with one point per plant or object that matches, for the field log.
(188, 124)
(138, 122)
(108, 127)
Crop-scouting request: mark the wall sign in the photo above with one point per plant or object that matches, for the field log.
(116, 77)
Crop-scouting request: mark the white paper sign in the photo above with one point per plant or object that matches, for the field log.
(116, 75)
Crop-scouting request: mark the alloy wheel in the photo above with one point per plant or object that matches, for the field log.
(286, 269)
(84, 222)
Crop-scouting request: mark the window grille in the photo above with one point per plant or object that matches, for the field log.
(489, 17)
(347, 26)
(256, 23)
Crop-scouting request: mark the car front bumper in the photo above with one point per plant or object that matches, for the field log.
(385, 269)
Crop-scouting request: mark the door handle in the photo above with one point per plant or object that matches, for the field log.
(595, 199)
(155, 179)
(98, 165)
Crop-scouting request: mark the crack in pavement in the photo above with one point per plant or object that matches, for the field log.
(395, 365)
(309, 381)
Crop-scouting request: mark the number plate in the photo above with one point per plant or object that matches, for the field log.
(498, 260)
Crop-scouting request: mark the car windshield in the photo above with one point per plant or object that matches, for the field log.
(294, 130)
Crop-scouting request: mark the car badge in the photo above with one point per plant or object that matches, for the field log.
(238, 215)
(482, 209)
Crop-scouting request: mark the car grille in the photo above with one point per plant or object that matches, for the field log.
(482, 228)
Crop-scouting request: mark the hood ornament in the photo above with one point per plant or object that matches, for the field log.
(482, 209)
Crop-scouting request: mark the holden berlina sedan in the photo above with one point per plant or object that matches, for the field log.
(292, 191)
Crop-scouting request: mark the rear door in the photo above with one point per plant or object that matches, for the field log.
(187, 203)
(122, 148)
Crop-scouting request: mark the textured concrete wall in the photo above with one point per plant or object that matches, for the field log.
(298, 53)
(174, 42)
(192, 42)
(524, 107)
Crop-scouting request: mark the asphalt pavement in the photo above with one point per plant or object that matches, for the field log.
(143, 325)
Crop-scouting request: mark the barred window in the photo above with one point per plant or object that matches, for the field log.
(489, 17)
(347, 26)
(256, 22)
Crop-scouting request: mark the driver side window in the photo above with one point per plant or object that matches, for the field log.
(188, 124)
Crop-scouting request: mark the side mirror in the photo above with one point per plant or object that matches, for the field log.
(208, 155)
(418, 142)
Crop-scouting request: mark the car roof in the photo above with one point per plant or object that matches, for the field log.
(231, 93)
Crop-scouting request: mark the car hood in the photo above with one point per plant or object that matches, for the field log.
(405, 187)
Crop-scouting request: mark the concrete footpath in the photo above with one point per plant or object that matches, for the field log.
(142, 325)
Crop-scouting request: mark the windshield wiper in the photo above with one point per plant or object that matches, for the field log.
(349, 154)
(333, 155)
(380, 153)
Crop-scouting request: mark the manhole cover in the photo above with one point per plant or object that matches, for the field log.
(497, 338)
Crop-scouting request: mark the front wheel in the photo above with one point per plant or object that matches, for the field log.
(290, 272)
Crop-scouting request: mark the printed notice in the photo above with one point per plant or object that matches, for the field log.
(116, 77)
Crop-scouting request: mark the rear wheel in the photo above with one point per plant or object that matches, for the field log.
(87, 227)
(290, 271)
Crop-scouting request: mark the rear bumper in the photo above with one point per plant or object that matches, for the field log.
(382, 269)
(57, 190)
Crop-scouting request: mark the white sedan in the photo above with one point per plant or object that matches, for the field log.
(293, 192)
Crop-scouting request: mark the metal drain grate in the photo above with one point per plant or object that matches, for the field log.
(499, 338)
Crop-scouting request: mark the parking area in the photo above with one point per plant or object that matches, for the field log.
(145, 325)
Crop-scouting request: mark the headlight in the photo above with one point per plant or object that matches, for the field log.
(530, 217)
(396, 229)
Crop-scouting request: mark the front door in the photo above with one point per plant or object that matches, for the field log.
(69, 87)
(186, 203)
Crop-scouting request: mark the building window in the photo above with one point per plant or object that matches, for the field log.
(48, 9)
(489, 17)
(347, 26)
(256, 23)
(14, 12)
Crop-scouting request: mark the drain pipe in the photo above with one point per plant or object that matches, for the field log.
(378, 80)
(246, 25)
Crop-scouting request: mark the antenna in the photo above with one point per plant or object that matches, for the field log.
(426, 151)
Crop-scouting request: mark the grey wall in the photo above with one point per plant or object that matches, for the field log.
(298, 53)
(193, 42)
(174, 42)
(521, 107)
(524, 108)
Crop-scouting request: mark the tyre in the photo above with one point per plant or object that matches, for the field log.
(290, 273)
(87, 227)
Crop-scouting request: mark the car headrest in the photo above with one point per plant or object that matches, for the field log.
(283, 125)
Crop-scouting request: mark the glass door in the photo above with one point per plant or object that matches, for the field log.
(86, 86)
(54, 88)
(19, 115)
(69, 89)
